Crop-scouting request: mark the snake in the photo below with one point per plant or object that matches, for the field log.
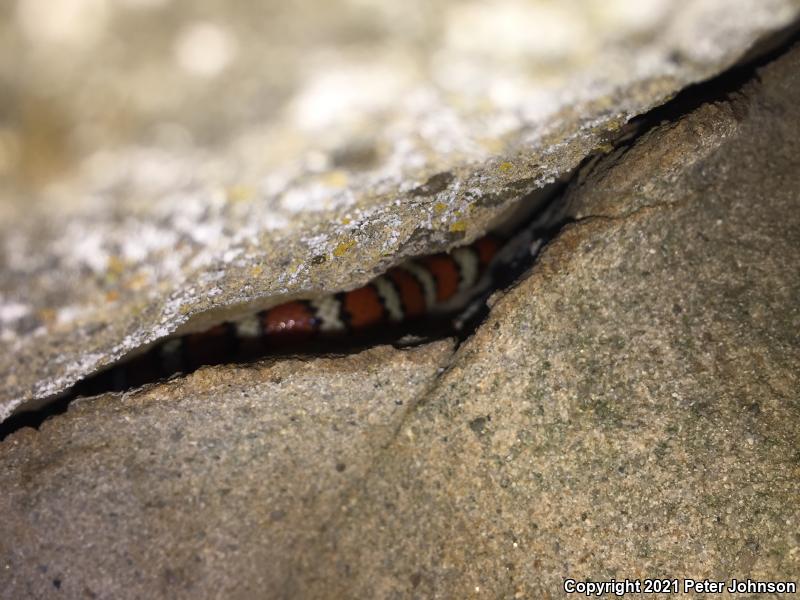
(450, 284)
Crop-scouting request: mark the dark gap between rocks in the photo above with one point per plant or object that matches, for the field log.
(460, 325)
(463, 325)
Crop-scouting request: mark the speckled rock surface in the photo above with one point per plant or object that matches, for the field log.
(165, 164)
(632, 408)
(628, 410)
(208, 486)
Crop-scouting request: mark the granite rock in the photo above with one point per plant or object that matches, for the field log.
(205, 486)
(631, 408)
(167, 165)
(628, 409)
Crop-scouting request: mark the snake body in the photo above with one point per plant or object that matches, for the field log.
(439, 283)
(452, 284)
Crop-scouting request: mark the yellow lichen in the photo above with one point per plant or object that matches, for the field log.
(506, 167)
(458, 226)
(343, 247)
(439, 207)
(605, 148)
(137, 282)
(115, 265)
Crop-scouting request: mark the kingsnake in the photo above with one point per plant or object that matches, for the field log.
(439, 284)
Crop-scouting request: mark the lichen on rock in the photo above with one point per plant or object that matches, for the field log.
(642, 378)
(165, 196)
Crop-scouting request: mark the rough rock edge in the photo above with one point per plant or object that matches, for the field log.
(529, 174)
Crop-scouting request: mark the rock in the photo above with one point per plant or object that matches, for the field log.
(630, 409)
(178, 489)
(224, 160)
